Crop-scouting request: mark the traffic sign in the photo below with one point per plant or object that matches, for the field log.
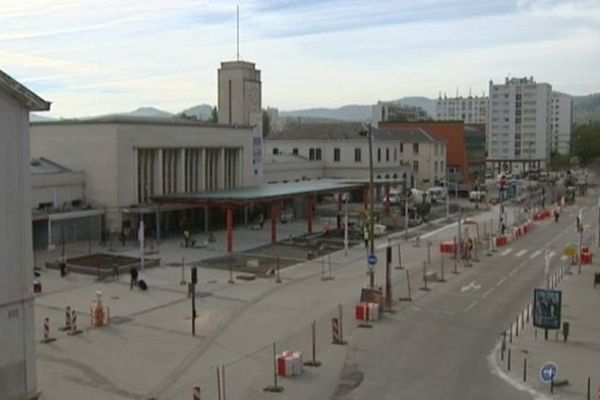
(372, 260)
(548, 371)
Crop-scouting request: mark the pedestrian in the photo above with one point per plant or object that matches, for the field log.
(556, 215)
(503, 227)
(62, 263)
(366, 236)
(134, 277)
(261, 220)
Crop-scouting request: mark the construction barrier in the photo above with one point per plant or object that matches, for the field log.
(67, 326)
(501, 241)
(290, 363)
(47, 338)
(335, 331)
(447, 247)
(586, 255)
(362, 312)
(196, 394)
(99, 313)
(74, 330)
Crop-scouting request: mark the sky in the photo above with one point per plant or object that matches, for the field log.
(91, 57)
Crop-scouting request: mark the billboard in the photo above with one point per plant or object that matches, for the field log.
(546, 308)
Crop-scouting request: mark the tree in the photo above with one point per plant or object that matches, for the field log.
(586, 143)
(266, 124)
(214, 115)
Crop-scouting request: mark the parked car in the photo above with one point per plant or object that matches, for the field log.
(437, 194)
(476, 195)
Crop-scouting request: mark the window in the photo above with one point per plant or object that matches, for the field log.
(275, 151)
(295, 151)
(435, 167)
(378, 154)
(319, 156)
(387, 154)
(336, 155)
(415, 148)
(357, 155)
(401, 147)
(415, 166)
(395, 154)
(311, 154)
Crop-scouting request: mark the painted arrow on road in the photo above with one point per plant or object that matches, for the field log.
(471, 286)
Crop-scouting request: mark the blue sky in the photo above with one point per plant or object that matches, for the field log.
(101, 56)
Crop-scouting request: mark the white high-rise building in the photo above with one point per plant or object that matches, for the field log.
(518, 129)
(470, 110)
(561, 121)
(17, 329)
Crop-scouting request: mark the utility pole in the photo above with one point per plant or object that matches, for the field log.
(371, 205)
(447, 187)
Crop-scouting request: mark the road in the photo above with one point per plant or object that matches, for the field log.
(437, 348)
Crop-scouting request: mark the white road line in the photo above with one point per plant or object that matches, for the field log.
(513, 271)
(471, 306)
(486, 294)
(551, 254)
(521, 252)
(501, 281)
(535, 254)
(507, 251)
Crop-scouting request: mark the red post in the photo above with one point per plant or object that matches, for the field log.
(309, 213)
(274, 222)
(229, 217)
(387, 198)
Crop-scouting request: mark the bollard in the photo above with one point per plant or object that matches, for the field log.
(275, 388)
(429, 253)
(67, 326)
(527, 309)
(399, 258)
(425, 287)
(47, 338)
(218, 383)
(510, 335)
(517, 327)
(523, 320)
(223, 381)
(341, 321)
(589, 388)
(313, 362)
(74, 330)
(278, 276)
(525, 369)
(442, 278)
(182, 280)
(508, 360)
(336, 332)
(455, 266)
(231, 281)
(196, 393)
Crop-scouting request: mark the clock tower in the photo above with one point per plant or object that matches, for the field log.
(239, 94)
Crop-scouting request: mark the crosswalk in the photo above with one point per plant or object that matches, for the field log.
(509, 251)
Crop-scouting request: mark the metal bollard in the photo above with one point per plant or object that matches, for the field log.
(508, 362)
(525, 369)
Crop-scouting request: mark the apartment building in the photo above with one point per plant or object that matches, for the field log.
(561, 122)
(470, 110)
(389, 111)
(519, 129)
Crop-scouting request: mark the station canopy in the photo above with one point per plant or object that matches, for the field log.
(258, 194)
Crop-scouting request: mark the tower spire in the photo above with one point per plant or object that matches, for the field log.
(238, 33)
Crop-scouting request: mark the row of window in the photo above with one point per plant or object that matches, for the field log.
(315, 153)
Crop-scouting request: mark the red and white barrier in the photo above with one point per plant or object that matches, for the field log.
(67, 326)
(447, 247)
(47, 338)
(335, 331)
(290, 363)
(362, 312)
(373, 311)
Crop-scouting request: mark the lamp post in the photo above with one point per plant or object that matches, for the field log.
(371, 205)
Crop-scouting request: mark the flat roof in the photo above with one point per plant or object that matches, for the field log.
(253, 194)
(133, 120)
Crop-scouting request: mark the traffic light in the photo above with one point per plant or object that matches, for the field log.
(194, 275)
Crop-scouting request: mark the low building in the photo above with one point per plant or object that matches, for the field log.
(61, 212)
(390, 111)
(127, 160)
(18, 378)
(470, 110)
(561, 122)
(410, 155)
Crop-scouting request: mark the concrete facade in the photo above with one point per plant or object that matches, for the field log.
(18, 378)
(412, 154)
(518, 130)
(388, 111)
(470, 110)
(52, 184)
(561, 122)
(127, 160)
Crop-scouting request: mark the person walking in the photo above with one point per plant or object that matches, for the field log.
(134, 277)
(62, 263)
(261, 220)
(366, 236)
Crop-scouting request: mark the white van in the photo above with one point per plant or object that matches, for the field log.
(437, 194)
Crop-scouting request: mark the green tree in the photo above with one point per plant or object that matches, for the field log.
(214, 115)
(266, 124)
(586, 143)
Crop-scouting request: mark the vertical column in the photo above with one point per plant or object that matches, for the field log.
(221, 169)
(274, 210)
(387, 198)
(206, 219)
(229, 215)
(310, 204)
(159, 173)
(339, 213)
(181, 171)
(157, 225)
(202, 170)
(136, 177)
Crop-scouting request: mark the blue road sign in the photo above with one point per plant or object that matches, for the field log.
(372, 260)
(548, 371)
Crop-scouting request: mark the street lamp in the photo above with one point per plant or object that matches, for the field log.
(371, 205)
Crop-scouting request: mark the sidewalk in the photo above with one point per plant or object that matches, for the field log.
(578, 357)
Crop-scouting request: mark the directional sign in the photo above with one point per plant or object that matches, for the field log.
(548, 371)
(372, 260)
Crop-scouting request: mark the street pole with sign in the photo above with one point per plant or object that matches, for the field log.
(371, 205)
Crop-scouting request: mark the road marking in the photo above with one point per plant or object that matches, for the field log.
(520, 253)
(505, 252)
(551, 254)
(471, 306)
(501, 281)
(471, 286)
(535, 254)
(513, 271)
(486, 294)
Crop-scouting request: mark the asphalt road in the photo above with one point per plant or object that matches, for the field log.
(437, 347)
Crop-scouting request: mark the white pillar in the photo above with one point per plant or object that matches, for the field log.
(159, 174)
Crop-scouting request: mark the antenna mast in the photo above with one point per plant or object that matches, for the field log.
(238, 33)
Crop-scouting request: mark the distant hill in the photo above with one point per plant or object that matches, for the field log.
(586, 108)
(355, 112)
(201, 112)
(148, 112)
(33, 117)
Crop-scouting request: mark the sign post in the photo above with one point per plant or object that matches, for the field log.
(548, 372)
